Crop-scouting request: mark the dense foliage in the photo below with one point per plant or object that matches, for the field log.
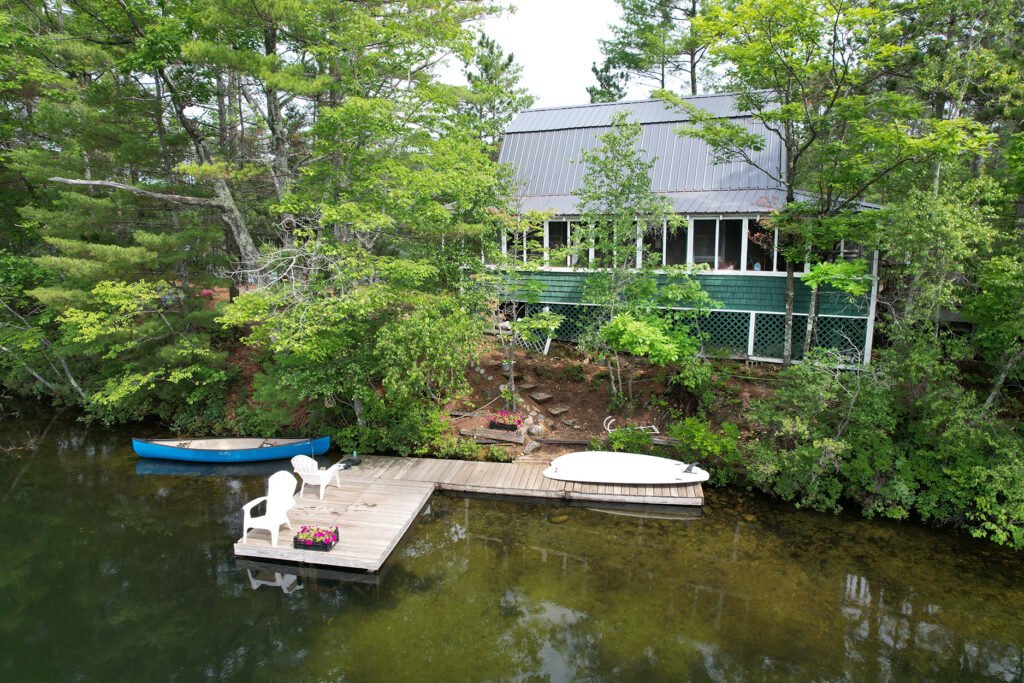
(159, 157)
(917, 106)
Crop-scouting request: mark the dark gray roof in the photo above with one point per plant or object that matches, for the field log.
(544, 145)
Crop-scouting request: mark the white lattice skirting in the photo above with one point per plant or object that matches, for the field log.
(741, 334)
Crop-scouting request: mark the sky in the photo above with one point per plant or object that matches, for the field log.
(556, 42)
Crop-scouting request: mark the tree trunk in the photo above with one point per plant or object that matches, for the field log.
(233, 219)
(222, 112)
(997, 386)
(787, 343)
(161, 132)
(812, 320)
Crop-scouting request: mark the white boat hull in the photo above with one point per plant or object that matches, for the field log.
(606, 467)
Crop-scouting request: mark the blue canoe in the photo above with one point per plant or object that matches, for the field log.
(229, 450)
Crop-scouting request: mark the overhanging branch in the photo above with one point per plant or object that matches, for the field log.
(162, 196)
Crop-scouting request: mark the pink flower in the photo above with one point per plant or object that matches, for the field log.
(309, 542)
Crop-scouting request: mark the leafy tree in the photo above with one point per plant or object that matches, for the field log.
(136, 129)
(151, 363)
(617, 207)
(995, 309)
(369, 336)
(804, 70)
(503, 283)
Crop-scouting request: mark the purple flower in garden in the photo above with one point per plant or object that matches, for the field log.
(309, 542)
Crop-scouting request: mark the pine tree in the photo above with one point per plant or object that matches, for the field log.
(611, 84)
(495, 95)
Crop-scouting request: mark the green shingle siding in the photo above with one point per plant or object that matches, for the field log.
(761, 293)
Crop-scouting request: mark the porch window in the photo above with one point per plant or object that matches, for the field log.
(558, 239)
(704, 230)
(579, 251)
(675, 249)
(730, 244)
(760, 245)
(654, 242)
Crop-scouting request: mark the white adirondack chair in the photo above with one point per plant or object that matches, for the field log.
(311, 473)
(280, 499)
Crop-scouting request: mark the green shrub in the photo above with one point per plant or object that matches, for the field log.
(450, 447)
(573, 372)
(629, 441)
(498, 454)
(699, 442)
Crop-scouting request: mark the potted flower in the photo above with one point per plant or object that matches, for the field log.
(316, 538)
(505, 421)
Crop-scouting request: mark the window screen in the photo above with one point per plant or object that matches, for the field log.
(759, 247)
(730, 243)
(704, 240)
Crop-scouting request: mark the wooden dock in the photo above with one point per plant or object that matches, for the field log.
(378, 501)
(371, 516)
(524, 480)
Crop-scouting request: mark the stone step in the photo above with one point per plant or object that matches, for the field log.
(526, 387)
(540, 397)
(558, 410)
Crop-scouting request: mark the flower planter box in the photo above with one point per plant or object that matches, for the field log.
(315, 544)
(502, 426)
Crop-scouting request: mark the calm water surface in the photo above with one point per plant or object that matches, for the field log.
(107, 574)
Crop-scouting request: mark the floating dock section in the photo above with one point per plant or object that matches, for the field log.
(378, 501)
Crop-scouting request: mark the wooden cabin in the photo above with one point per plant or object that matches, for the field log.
(721, 206)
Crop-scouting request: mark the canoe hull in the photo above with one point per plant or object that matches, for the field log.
(606, 467)
(230, 450)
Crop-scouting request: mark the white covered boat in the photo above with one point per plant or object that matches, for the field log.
(607, 467)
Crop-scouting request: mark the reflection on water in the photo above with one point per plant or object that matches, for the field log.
(288, 583)
(112, 576)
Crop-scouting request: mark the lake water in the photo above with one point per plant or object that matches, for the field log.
(106, 574)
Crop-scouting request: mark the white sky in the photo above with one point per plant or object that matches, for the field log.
(556, 42)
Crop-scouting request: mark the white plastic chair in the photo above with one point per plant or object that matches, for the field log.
(280, 499)
(309, 471)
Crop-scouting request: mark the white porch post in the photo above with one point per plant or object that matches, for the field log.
(718, 228)
(664, 242)
(873, 303)
(639, 245)
(750, 334)
(743, 245)
(775, 251)
(689, 241)
(545, 243)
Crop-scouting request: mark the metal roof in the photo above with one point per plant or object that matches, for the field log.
(599, 115)
(544, 147)
(709, 202)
